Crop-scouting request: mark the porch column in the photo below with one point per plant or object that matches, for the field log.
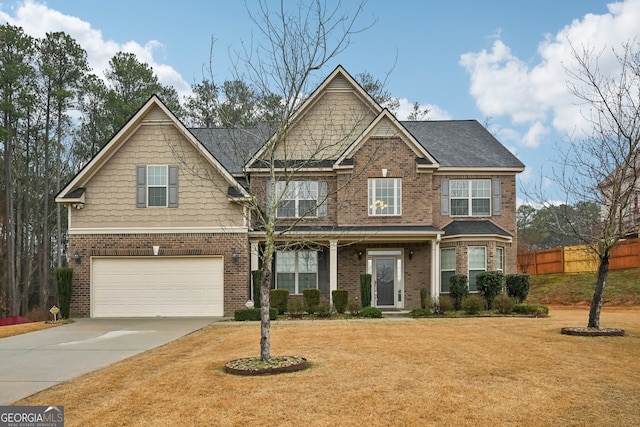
(255, 252)
(333, 268)
(435, 268)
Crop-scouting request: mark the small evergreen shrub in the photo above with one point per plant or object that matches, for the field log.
(518, 286)
(365, 289)
(311, 299)
(243, 314)
(503, 303)
(64, 278)
(371, 312)
(295, 308)
(419, 312)
(256, 275)
(323, 310)
(279, 299)
(472, 304)
(537, 310)
(458, 289)
(424, 293)
(489, 285)
(445, 304)
(354, 308)
(340, 300)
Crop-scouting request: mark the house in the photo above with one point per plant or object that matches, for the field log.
(159, 225)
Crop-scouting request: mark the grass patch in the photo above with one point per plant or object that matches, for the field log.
(12, 330)
(622, 288)
(474, 371)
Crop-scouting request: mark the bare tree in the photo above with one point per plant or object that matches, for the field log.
(603, 166)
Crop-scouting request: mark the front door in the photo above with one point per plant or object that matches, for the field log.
(384, 280)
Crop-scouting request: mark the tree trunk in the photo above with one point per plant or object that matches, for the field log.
(265, 300)
(10, 227)
(598, 295)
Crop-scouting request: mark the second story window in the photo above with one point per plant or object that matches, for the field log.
(385, 196)
(157, 186)
(298, 199)
(470, 197)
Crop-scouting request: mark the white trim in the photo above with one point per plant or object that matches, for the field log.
(333, 268)
(158, 230)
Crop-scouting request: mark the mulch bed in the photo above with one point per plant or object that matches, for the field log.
(593, 332)
(276, 365)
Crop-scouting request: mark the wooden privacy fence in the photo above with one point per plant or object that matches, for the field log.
(578, 259)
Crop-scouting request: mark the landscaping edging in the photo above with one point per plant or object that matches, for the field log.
(250, 366)
(593, 332)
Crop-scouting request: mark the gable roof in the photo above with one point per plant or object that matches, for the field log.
(154, 110)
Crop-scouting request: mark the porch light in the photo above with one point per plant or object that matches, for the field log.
(77, 258)
(410, 253)
(360, 253)
(234, 255)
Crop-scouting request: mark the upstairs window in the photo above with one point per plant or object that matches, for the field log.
(300, 198)
(470, 197)
(157, 186)
(385, 196)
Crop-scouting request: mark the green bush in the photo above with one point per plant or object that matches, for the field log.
(311, 299)
(472, 304)
(537, 310)
(365, 289)
(64, 277)
(279, 299)
(424, 293)
(243, 314)
(489, 285)
(371, 312)
(518, 286)
(354, 308)
(458, 289)
(419, 312)
(445, 304)
(256, 275)
(503, 304)
(323, 310)
(295, 308)
(340, 300)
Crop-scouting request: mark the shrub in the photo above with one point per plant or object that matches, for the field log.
(323, 310)
(365, 289)
(311, 299)
(243, 314)
(518, 286)
(489, 285)
(419, 312)
(36, 315)
(445, 303)
(371, 312)
(295, 308)
(354, 308)
(537, 310)
(472, 304)
(64, 278)
(340, 299)
(458, 289)
(256, 275)
(424, 292)
(279, 299)
(503, 304)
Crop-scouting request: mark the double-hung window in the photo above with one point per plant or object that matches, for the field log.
(385, 196)
(296, 270)
(297, 199)
(470, 197)
(499, 260)
(477, 264)
(157, 186)
(447, 267)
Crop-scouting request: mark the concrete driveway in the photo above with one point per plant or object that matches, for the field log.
(38, 360)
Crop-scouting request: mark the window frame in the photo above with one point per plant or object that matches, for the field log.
(293, 188)
(375, 201)
(445, 284)
(297, 270)
(473, 287)
(499, 262)
(150, 185)
(454, 195)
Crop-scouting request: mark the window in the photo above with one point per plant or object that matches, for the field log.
(299, 199)
(296, 270)
(385, 196)
(477, 264)
(447, 267)
(156, 186)
(500, 260)
(470, 197)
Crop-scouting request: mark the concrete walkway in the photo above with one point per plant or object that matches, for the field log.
(38, 360)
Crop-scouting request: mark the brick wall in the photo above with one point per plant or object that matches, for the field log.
(236, 273)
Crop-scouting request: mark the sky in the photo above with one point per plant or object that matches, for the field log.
(501, 62)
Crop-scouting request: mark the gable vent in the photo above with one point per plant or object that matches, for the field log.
(338, 85)
(384, 130)
(156, 115)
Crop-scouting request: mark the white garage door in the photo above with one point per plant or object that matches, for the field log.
(159, 286)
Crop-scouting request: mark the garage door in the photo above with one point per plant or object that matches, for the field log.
(159, 286)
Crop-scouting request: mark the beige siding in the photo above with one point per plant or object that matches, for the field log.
(327, 128)
(111, 193)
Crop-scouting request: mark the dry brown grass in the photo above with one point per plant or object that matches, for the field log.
(11, 330)
(463, 372)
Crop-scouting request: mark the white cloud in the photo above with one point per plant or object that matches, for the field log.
(435, 112)
(532, 94)
(36, 19)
